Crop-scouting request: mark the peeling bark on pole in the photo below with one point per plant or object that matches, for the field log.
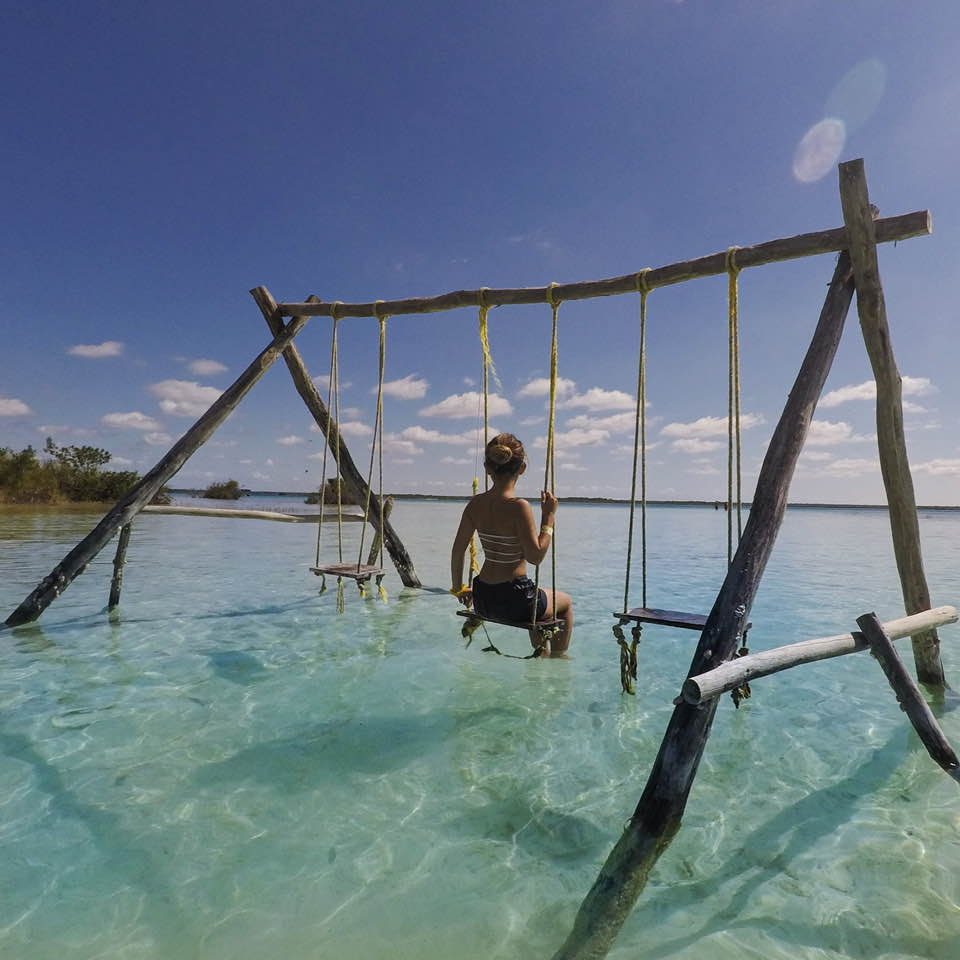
(894, 464)
(352, 477)
(657, 816)
(130, 505)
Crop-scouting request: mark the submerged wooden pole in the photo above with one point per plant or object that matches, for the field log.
(894, 464)
(374, 553)
(119, 559)
(658, 814)
(352, 477)
(130, 504)
(903, 227)
(744, 669)
(909, 697)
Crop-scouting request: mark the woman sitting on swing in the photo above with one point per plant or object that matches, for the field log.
(502, 590)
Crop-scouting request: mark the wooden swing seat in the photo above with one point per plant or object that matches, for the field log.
(519, 624)
(668, 618)
(361, 572)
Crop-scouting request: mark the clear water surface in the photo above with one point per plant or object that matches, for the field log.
(227, 768)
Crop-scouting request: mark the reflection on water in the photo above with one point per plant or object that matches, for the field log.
(227, 768)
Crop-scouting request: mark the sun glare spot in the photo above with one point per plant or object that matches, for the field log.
(819, 150)
(857, 96)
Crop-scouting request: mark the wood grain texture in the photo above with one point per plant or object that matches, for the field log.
(918, 223)
(909, 696)
(657, 816)
(894, 463)
(733, 673)
(131, 503)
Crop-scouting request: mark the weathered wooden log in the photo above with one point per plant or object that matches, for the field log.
(894, 464)
(658, 814)
(131, 503)
(902, 227)
(374, 554)
(119, 559)
(239, 514)
(353, 479)
(909, 696)
(744, 669)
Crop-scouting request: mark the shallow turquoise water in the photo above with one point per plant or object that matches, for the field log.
(229, 769)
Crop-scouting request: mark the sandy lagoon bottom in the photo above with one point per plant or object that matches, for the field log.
(229, 769)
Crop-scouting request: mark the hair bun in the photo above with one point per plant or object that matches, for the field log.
(500, 453)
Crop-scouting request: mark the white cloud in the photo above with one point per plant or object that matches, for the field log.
(11, 407)
(120, 462)
(910, 387)
(97, 351)
(531, 421)
(206, 368)
(290, 440)
(422, 435)
(910, 407)
(938, 468)
(565, 439)
(828, 433)
(396, 445)
(695, 445)
(134, 420)
(469, 382)
(540, 387)
(816, 456)
(850, 467)
(460, 406)
(184, 398)
(596, 398)
(403, 460)
(355, 428)
(460, 461)
(615, 423)
(158, 439)
(703, 468)
(410, 387)
(710, 426)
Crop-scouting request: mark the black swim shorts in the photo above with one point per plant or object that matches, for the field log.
(511, 600)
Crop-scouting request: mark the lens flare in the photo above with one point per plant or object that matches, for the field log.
(819, 150)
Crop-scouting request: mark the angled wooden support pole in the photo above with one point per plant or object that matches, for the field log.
(352, 477)
(908, 695)
(657, 816)
(119, 559)
(894, 464)
(131, 503)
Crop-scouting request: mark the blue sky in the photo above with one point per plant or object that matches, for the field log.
(160, 161)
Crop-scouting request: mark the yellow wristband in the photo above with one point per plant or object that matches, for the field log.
(456, 593)
(547, 529)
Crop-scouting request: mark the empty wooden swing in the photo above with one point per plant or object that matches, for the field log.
(545, 630)
(643, 614)
(361, 573)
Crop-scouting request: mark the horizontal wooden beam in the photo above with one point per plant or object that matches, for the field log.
(889, 229)
(240, 514)
(733, 673)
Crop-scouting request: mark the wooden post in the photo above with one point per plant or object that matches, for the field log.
(377, 537)
(908, 695)
(130, 504)
(894, 465)
(119, 559)
(352, 477)
(657, 816)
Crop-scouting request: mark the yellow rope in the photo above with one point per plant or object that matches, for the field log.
(549, 470)
(377, 431)
(326, 447)
(639, 448)
(474, 562)
(733, 404)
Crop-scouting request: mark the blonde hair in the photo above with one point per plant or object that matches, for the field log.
(504, 455)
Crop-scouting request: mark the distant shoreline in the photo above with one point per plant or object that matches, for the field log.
(713, 504)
